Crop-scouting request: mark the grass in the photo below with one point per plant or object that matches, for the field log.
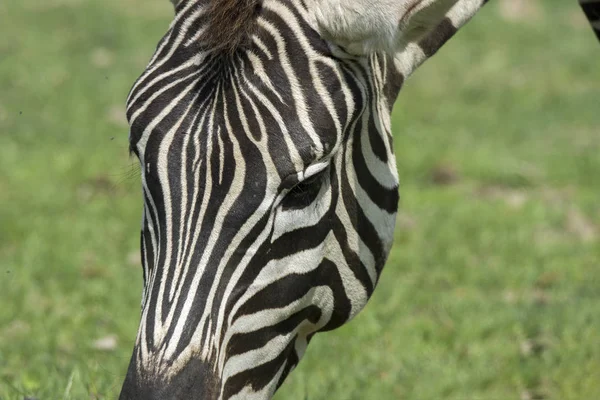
(491, 291)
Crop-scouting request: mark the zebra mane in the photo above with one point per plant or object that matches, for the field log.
(230, 24)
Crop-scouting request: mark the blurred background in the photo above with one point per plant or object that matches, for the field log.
(492, 290)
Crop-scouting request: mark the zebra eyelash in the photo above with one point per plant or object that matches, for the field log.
(304, 192)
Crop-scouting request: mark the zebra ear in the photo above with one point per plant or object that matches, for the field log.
(365, 26)
(413, 53)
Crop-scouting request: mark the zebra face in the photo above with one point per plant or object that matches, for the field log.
(270, 194)
(268, 216)
(268, 212)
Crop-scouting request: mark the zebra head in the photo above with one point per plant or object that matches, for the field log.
(269, 181)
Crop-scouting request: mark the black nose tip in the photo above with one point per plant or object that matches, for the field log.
(195, 381)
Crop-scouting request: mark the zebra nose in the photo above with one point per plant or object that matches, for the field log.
(195, 381)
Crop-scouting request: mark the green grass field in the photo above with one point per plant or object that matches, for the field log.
(492, 290)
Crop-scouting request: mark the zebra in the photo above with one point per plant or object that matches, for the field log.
(269, 181)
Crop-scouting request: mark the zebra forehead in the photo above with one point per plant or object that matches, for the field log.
(229, 23)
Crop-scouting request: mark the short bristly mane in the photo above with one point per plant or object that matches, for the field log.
(230, 24)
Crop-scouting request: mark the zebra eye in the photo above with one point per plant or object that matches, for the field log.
(304, 193)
